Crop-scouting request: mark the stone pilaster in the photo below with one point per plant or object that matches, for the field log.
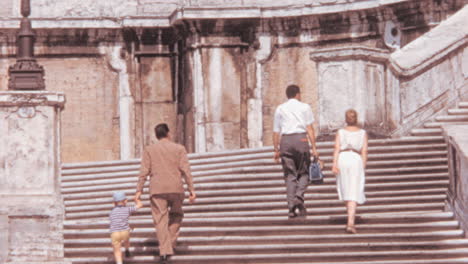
(31, 215)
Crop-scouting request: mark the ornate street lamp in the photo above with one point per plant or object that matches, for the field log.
(26, 74)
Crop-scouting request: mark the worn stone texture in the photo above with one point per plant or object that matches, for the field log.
(218, 81)
(90, 120)
(31, 217)
(4, 64)
(156, 97)
(221, 98)
(156, 80)
(26, 148)
(455, 136)
(351, 77)
(288, 66)
(7, 8)
(431, 71)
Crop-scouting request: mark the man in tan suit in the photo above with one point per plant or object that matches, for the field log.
(166, 163)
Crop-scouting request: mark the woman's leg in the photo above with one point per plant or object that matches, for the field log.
(351, 209)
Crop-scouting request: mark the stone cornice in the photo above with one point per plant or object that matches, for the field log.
(436, 44)
(32, 98)
(201, 13)
(353, 52)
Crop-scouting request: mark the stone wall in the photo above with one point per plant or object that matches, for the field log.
(214, 73)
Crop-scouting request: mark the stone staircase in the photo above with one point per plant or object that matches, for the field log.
(240, 213)
(453, 116)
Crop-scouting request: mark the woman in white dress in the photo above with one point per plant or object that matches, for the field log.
(349, 163)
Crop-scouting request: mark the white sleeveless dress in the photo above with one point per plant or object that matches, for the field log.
(351, 179)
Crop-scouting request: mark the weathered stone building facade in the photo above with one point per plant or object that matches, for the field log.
(216, 70)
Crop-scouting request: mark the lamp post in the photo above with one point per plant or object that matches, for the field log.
(26, 74)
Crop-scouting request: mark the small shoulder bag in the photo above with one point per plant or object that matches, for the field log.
(315, 171)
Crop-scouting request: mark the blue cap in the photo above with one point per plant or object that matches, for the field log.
(119, 196)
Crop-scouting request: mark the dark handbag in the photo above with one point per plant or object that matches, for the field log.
(315, 172)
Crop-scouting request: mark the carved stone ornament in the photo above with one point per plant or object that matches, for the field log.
(26, 74)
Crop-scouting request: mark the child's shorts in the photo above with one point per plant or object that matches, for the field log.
(119, 236)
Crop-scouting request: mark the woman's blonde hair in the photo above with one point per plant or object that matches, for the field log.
(351, 117)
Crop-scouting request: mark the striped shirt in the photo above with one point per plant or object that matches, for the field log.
(119, 218)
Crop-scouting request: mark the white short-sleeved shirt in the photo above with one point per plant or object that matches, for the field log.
(292, 117)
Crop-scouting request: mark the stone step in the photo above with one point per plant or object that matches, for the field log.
(440, 124)
(280, 202)
(452, 118)
(375, 159)
(142, 231)
(462, 111)
(362, 218)
(278, 210)
(247, 180)
(463, 105)
(259, 159)
(310, 195)
(378, 144)
(311, 257)
(328, 186)
(280, 246)
(147, 237)
(426, 131)
(241, 214)
(399, 165)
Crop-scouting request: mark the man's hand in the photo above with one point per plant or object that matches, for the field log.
(192, 197)
(136, 198)
(276, 156)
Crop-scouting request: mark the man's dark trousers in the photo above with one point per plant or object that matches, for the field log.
(295, 158)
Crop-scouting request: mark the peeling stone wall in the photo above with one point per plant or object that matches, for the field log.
(157, 96)
(90, 120)
(288, 66)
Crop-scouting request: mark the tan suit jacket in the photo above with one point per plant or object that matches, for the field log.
(166, 163)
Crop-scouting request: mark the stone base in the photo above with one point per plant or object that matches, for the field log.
(31, 215)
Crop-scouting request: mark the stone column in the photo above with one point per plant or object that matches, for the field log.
(255, 103)
(351, 77)
(31, 215)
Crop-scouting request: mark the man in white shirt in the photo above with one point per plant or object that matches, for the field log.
(292, 132)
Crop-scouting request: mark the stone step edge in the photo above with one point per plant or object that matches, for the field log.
(383, 246)
(131, 187)
(224, 181)
(280, 201)
(291, 228)
(261, 162)
(308, 195)
(421, 215)
(253, 150)
(448, 260)
(265, 157)
(314, 255)
(275, 211)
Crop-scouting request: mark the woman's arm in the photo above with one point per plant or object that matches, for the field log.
(364, 151)
(336, 152)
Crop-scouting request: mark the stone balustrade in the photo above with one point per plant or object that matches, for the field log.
(457, 201)
(429, 74)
